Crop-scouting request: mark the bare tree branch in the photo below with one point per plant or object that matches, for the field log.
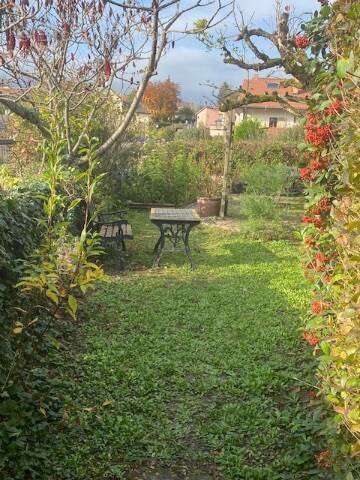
(63, 57)
(246, 98)
(27, 114)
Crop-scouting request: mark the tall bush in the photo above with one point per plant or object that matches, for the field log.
(264, 185)
(248, 129)
(332, 218)
(165, 174)
(54, 269)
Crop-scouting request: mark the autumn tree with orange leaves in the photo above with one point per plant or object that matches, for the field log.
(161, 99)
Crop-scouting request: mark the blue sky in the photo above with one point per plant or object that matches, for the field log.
(191, 65)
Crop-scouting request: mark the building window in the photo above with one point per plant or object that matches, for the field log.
(272, 86)
(273, 122)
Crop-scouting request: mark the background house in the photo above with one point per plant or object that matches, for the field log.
(212, 119)
(272, 115)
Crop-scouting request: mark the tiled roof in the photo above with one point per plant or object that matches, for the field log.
(261, 86)
(297, 106)
(270, 85)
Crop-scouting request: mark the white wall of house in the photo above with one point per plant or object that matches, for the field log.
(216, 131)
(284, 119)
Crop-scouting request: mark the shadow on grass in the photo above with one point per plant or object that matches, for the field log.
(228, 251)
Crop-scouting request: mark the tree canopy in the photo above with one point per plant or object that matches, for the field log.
(162, 99)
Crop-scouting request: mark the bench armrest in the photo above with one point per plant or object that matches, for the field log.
(107, 214)
(99, 223)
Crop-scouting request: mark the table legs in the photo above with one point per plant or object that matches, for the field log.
(176, 234)
(186, 234)
(159, 246)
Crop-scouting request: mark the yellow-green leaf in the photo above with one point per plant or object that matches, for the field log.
(73, 304)
(42, 411)
(52, 295)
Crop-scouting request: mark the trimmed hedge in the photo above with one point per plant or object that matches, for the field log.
(178, 171)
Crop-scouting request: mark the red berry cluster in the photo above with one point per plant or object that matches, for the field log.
(318, 307)
(320, 263)
(301, 41)
(318, 135)
(323, 206)
(315, 165)
(320, 164)
(306, 174)
(335, 108)
(311, 338)
(316, 221)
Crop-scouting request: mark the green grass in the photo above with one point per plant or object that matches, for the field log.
(198, 375)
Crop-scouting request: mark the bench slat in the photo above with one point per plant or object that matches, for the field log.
(127, 230)
(109, 231)
(103, 230)
(112, 231)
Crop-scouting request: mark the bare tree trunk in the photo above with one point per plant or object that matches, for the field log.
(227, 161)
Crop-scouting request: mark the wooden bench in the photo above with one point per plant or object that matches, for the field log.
(112, 229)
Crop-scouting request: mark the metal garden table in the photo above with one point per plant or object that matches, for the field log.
(175, 224)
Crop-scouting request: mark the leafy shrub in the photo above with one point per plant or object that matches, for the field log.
(20, 214)
(331, 225)
(191, 134)
(250, 128)
(265, 179)
(146, 173)
(33, 311)
(165, 174)
(259, 206)
(175, 172)
(7, 179)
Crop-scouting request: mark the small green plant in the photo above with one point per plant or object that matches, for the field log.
(265, 179)
(7, 179)
(250, 128)
(194, 133)
(259, 206)
(62, 268)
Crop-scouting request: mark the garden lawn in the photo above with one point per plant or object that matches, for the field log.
(198, 375)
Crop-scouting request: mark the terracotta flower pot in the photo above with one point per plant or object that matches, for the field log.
(208, 206)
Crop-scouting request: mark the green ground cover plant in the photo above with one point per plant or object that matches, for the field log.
(199, 375)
